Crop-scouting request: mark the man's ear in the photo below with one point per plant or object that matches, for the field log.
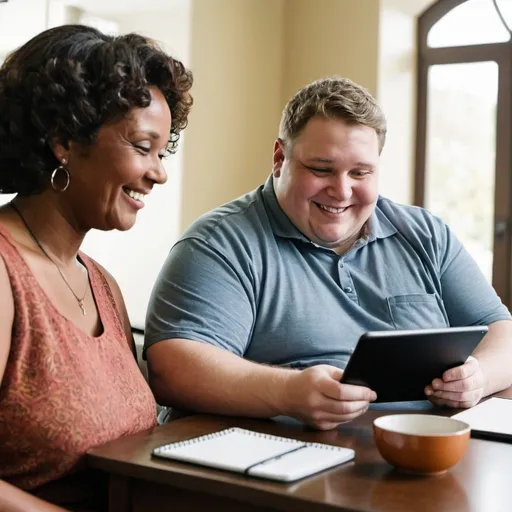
(278, 158)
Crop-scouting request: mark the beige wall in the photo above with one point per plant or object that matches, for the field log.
(237, 58)
(250, 56)
(330, 37)
(396, 94)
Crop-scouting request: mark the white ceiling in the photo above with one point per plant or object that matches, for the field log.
(105, 7)
(102, 7)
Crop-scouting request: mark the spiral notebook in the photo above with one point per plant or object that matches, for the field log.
(254, 454)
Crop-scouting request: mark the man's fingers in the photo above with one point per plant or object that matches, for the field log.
(348, 392)
(334, 372)
(473, 382)
(453, 404)
(327, 421)
(340, 408)
(469, 396)
(333, 389)
(463, 371)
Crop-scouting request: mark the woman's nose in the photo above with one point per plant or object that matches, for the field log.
(158, 174)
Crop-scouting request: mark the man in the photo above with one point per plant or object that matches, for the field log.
(262, 301)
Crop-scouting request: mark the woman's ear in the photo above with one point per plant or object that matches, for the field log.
(60, 150)
(278, 158)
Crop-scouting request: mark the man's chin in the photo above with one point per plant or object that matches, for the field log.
(335, 240)
(328, 243)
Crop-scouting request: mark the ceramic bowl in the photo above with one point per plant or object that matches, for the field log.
(421, 443)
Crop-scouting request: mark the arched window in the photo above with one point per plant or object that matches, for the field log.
(464, 128)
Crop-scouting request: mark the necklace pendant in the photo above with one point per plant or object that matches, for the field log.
(82, 307)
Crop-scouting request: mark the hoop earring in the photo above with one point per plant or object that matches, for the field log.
(53, 178)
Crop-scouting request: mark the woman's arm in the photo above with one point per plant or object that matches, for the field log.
(13, 499)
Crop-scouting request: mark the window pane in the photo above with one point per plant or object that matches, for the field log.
(473, 22)
(460, 159)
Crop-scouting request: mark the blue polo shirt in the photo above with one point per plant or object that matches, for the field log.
(244, 279)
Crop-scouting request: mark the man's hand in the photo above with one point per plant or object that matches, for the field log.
(316, 397)
(459, 387)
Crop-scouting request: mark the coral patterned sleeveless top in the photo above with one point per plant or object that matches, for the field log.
(63, 391)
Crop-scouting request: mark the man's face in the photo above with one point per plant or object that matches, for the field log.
(327, 181)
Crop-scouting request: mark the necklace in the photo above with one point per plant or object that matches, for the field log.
(31, 233)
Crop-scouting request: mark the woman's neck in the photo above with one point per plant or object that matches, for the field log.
(52, 224)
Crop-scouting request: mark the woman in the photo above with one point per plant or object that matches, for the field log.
(85, 120)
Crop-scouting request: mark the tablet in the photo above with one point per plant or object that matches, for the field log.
(398, 365)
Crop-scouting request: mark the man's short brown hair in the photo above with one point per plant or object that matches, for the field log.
(334, 98)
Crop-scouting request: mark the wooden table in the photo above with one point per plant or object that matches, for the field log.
(481, 482)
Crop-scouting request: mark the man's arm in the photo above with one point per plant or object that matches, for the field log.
(469, 299)
(198, 327)
(494, 354)
(485, 373)
(193, 375)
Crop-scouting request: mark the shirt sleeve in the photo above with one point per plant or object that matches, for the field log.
(201, 295)
(468, 297)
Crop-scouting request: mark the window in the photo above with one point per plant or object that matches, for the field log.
(470, 22)
(464, 128)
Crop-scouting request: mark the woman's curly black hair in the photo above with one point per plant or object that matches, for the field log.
(68, 81)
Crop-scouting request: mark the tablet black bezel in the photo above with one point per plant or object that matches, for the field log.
(398, 365)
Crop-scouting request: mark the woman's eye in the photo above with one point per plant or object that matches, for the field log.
(144, 149)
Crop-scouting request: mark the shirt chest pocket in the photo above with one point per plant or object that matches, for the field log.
(417, 311)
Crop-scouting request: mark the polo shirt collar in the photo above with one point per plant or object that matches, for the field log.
(281, 224)
(378, 224)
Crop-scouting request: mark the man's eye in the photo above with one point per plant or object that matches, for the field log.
(319, 170)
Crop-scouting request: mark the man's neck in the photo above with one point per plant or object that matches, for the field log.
(348, 244)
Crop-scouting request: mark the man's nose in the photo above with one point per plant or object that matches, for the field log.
(341, 188)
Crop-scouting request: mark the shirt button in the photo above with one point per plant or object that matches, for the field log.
(348, 289)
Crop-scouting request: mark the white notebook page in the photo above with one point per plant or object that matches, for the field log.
(303, 462)
(235, 450)
(262, 455)
(493, 415)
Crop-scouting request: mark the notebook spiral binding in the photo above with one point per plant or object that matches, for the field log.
(220, 433)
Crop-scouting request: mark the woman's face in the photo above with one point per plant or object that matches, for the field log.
(111, 178)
